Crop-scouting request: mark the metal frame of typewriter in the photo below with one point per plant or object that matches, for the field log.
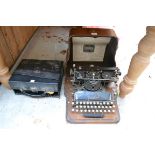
(90, 97)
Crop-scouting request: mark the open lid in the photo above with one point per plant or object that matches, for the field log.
(93, 45)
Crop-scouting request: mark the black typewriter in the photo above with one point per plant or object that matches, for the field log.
(91, 86)
(37, 78)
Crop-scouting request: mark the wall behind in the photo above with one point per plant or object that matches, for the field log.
(12, 41)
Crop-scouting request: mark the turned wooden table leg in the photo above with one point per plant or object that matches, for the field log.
(139, 61)
(4, 72)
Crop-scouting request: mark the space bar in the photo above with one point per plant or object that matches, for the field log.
(93, 115)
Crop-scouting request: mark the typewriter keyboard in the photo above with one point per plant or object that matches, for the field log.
(93, 109)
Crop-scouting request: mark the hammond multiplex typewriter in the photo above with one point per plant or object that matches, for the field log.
(91, 77)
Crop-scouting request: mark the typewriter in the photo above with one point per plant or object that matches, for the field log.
(91, 77)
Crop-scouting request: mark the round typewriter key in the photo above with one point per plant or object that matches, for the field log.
(102, 106)
(110, 107)
(94, 102)
(80, 102)
(77, 106)
(88, 106)
(92, 106)
(95, 106)
(109, 111)
(99, 106)
(77, 110)
(72, 102)
(73, 109)
(85, 110)
(84, 102)
(89, 110)
(81, 110)
(104, 103)
(101, 110)
(107, 103)
(80, 106)
(90, 102)
(105, 110)
(113, 110)
(76, 102)
(84, 106)
(98, 103)
(96, 110)
(113, 106)
(93, 110)
(106, 106)
(111, 102)
(87, 102)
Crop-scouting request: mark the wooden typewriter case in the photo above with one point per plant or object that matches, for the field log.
(83, 43)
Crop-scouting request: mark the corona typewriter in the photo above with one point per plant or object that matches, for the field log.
(91, 76)
(37, 78)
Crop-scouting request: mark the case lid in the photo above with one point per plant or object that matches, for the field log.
(93, 45)
(47, 69)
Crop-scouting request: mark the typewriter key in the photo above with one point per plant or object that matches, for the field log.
(104, 103)
(113, 110)
(85, 110)
(73, 109)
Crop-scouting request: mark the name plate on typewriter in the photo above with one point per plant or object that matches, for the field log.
(91, 77)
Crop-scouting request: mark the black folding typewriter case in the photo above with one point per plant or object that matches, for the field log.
(91, 76)
(37, 78)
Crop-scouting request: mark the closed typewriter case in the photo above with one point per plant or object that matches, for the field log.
(37, 78)
(91, 76)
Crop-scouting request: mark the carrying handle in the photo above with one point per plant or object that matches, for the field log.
(34, 94)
